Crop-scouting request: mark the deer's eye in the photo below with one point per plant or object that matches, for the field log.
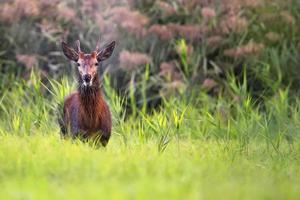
(96, 64)
(78, 64)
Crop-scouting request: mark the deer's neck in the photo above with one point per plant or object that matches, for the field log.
(91, 97)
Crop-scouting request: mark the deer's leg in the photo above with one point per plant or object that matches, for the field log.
(100, 139)
(105, 130)
(105, 126)
(104, 138)
(60, 113)
(74, 123)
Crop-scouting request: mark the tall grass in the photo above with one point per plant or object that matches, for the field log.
(31, 107)
(182, 150)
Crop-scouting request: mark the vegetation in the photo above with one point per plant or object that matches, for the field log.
(208, 148)
(187, 44)
(204, 97)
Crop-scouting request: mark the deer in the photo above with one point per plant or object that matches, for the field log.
(86, 114)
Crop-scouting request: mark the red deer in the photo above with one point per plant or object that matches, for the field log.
(85, 113)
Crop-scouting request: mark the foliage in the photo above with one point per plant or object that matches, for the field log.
(186, 44)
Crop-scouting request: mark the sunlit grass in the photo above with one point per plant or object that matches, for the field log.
(46, 167)
(211, 148)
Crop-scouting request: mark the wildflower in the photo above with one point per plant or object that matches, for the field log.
(100, 21)
(132, 60)
(288, 18)
(252, 3)
(169, 71)
(167, 9)
(163, 32)
(49, 28)
(65, 13)
(208, 84)
(189, 31)
(233, 23)
(132, 3)
(28, 8)
(49, 3)
(110, 34)
(231, 6)
(190, 4)
(177, 85)
(28, 60)
(208, 13)
(132, 21)
(14, 11)
(214, 41)
(249, 49)
(8, 13)
(172, 87)
(90, 6)
(273, 37)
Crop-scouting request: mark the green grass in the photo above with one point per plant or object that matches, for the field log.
(46, 167)
(208, 148)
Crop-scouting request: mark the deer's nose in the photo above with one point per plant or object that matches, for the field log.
(87, 78)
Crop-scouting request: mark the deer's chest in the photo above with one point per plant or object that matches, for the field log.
(90, 119)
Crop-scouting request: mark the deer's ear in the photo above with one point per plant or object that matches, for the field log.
(106, 52)
(70, 53)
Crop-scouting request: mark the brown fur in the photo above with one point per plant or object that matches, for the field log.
(86, 114)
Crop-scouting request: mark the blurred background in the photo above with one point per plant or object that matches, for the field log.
(164, 48)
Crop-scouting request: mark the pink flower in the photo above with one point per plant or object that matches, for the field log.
(169, 71)
(188, 31)
(132, 60)
(214, 41)
(173, 87)
(167, 9)
(209, 84)
(90, 7)
(29, 61)
(253, 3)
(67, 14)
(208, 13)
(49, 3)
(28, 8)
(250, 49)
(233, 23)
(15, 10)
(8, 13)
(100, 21)
(163, 32)
(132, 21)
(177, 85)
(190, 4)
(49, 28)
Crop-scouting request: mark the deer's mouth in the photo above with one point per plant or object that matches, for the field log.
(87, 84)
(87, 80)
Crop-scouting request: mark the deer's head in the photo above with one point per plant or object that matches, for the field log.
(88, 63)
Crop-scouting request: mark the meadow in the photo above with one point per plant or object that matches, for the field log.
(205, 149)
(204, 96)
